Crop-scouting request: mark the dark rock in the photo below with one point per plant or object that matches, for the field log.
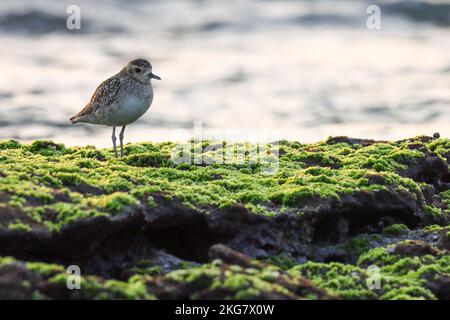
(439, 285)
(351, 141)
(85, 188)
(414, 248)
(431, 169)
(104, 244)
(444, 240)
(229, 256)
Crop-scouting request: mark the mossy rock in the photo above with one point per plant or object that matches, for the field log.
(395, 230)
(342, 168)
(399, 277)
(217, 280)
(354, 196)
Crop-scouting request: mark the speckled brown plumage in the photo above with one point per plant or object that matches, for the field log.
(121, 99)
(106, 93)
(141, 63)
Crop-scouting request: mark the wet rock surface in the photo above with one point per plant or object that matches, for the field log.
(141, 239)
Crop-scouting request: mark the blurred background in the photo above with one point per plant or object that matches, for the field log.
(307, 69)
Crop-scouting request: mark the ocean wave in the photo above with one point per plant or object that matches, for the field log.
(32, 22)
(36, 22)
(435, 13)
(327, 19)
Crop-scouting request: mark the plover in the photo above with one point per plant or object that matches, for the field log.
(121, 99)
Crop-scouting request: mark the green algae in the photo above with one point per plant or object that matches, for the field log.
(47, 148)
(231, 281)
(78, 183)
(17, 201)
(395, 230)
(9, 144)
(432, 210)
(237, 281)
(399, 277)
(18, 225)
(95, 288)
(433, 228)
(441, 147)
(114, 202)
(92, 287)
(446, 200)
(359, 244)
(46, 270)
(282, 260)
(346, 281)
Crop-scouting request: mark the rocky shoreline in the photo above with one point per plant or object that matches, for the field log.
(143, 227)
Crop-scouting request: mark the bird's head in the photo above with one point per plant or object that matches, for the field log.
(141, 70)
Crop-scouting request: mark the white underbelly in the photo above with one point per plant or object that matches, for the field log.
(129, 111)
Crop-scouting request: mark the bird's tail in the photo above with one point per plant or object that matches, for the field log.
(74, 119)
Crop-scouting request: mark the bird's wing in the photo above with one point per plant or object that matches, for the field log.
(106, 93)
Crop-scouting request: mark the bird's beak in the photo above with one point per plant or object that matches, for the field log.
(154, 76)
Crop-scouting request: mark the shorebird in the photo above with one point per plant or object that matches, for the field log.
(121, 99)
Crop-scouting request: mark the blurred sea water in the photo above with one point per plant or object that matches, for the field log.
(303, 69)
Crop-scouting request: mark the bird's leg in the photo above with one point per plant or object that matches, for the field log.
(121, 140)
(114, 141)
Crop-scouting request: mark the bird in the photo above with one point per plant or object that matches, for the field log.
(120, 100)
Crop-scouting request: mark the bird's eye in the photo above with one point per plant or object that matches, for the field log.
(138, 70)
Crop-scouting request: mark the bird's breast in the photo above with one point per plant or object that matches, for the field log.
(132, 107)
